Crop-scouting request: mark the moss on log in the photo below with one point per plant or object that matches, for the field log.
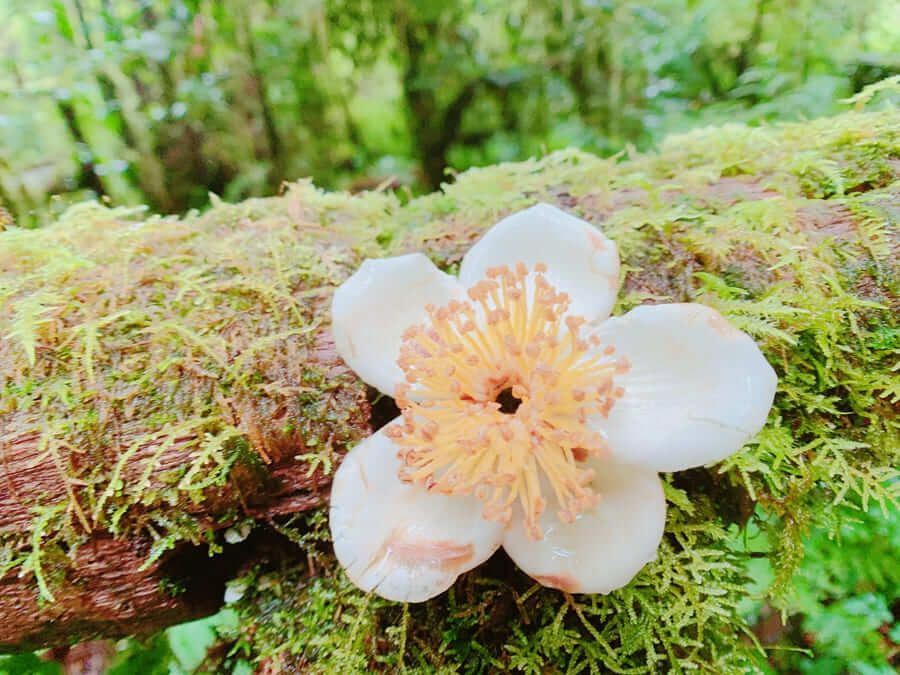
(167, 386)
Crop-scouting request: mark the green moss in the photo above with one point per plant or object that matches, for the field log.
(791, 232)
(169, 334)
(677, 616)
(809, 273)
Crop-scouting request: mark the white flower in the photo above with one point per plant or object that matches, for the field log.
(530, 419)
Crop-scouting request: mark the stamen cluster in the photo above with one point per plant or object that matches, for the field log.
(513, 337)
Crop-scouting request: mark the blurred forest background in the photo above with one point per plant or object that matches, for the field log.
(163, 102)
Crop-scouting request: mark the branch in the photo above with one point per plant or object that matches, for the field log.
(195, 390)
(169, 389)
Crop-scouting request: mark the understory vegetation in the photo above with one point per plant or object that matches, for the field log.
(162, 103)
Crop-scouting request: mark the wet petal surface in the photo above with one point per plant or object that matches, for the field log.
(607, 545)
(370, 311)
(696, 391)
(580, 260)
(398, 539)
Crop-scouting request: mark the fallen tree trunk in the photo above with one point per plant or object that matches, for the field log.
(105, 586)
(168, 386)
(133, 435)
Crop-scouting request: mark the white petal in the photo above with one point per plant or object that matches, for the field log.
(399, 540)
(370, 311)
(605, 547)
(580, 260)
(697, 390)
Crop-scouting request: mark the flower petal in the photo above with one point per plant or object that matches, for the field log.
(606, 546)
(580, 260)
(370, 311)
(401, 541)
(697, 390)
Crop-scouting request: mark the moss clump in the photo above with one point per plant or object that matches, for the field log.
(679, 614)
(750, 222)
(154, 369)
(791, 232)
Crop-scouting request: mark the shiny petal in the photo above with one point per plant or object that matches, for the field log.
(401, 541)
(580, 260)
(606, 546)
(370, 311)
(697, 390)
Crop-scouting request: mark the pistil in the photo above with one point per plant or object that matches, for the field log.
(497, 395)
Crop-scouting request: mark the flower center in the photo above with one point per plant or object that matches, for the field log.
(497, 397)
(508, 403)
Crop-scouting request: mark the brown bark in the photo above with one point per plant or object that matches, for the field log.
(106, 593)
(86, 658)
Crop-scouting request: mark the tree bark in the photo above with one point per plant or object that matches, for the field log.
(109, 592)
(72, 569)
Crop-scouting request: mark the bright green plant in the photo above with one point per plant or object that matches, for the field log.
(162, 103)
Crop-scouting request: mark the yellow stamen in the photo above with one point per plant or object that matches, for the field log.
(497, 395)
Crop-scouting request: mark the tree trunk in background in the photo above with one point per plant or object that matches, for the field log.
(434, 126)
(110, 97)
(274, 146)
(748, 46)
(87, 177)
(145, 171)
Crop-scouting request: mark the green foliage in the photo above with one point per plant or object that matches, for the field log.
(843, 592)
(164, 103)
(27, 664)
(181, 650)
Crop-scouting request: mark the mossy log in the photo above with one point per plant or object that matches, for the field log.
(170, 400)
